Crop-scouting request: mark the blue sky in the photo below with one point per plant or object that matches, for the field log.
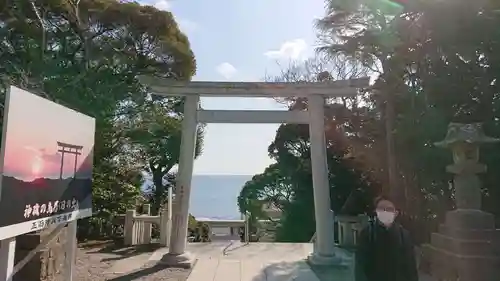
(236, 40)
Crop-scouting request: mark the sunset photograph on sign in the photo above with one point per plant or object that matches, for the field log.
(47, 161)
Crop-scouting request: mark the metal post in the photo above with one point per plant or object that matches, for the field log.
(70, 249)
(7, 255)
(178, 239)
(324, 252)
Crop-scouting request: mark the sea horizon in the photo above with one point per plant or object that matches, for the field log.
(214, 196)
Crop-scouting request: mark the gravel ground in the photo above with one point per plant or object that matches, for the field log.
(92, 265)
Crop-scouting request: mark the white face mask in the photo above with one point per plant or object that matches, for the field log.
(386, 218)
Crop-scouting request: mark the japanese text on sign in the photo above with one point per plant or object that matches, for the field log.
(51, 221)
(50, 208)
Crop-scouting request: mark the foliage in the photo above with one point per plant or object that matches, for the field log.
(154, 135)
(437, 63)
(86, 55)
(192, 222)
(200, 232)
(268, 187)
(316, 69)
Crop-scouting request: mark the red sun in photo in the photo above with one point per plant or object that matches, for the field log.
(37, 165)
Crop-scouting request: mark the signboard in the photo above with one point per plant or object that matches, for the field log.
(46, 163)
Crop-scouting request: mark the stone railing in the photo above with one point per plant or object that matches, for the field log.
(138, 227)
(348, 229)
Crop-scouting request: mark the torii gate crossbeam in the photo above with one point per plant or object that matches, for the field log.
(324, 252)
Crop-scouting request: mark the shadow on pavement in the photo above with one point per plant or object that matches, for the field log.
(286, 271)
(123, 252)
(140, 273)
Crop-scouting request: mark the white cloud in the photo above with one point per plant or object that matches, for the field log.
(293, 49)
(226, 69)
(185, 25)
(162, 5)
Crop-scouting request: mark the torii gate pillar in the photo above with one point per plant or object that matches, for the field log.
(325, 247)
(177, 254)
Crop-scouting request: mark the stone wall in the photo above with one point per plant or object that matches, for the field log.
(48, 263)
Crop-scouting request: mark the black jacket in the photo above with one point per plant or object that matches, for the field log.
(385, 254)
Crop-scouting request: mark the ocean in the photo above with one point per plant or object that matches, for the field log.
(215, 196)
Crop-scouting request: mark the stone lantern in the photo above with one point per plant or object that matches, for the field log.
(467, 246)
(464, 141)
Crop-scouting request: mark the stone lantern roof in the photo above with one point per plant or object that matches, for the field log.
(468, 133)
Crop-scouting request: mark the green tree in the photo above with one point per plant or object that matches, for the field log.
(367, 31)
(270, 187)
(155, 137)
(435, 61)
(86, 55)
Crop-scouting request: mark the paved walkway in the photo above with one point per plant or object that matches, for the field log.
(252, 262)
(222, 261)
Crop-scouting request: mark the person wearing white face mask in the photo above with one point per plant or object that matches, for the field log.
(385, 251)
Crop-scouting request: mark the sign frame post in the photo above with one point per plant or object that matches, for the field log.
(7, 258)
(70, 249)
(7, 246)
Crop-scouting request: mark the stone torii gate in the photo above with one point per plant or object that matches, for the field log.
(70, 149)
(324, 252)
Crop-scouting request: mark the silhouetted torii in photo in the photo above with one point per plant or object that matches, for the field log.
(71, 149)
